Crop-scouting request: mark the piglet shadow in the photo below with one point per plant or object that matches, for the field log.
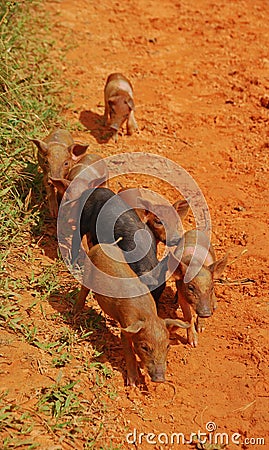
(169, 308)
(95, 124)
(101, 338)
(32, 195)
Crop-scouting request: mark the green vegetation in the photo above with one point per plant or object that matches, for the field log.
(61, 411)
(29, 106)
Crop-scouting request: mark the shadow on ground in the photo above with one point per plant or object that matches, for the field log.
(102, 339)
(169, 308)
(95, 124)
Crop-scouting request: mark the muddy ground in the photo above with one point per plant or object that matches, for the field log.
(200, 70)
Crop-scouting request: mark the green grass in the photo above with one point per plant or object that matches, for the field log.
(30, 106)
(29, 99)
(16, 425)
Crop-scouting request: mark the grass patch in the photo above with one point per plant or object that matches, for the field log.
(29, 99)
(15, 426)
(74, 412)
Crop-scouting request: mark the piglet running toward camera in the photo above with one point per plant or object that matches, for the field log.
(196, 297)
(119, 104)
(124, 299)
(57, 154)
(91, 171)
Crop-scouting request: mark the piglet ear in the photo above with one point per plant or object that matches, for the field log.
(148, 279)
(218, 266)
(182, 208)
(131, 104)
(77, 150)
(145, 209)
(42, 146)
(135, 327)
(176, 267)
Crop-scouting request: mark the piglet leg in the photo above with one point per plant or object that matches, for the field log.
(131, 364)
(131, 123)
(192, 336)
(80, 303)
(105, 119)
(52, 198)
(200, 324)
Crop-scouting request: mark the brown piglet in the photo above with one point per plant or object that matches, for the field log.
(119, 104)
(91, 171)
(196, 296)
(126, 299)
(162, 218)
(57, 153)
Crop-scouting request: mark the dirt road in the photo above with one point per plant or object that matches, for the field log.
(199, 71)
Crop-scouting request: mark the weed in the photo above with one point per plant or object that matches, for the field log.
(61, 360)
(15, 425)
(29, 104)
(10, 316)
(29, 108)
(102, 373)
(59, 401)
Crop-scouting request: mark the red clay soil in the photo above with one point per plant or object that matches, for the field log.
(200, 72)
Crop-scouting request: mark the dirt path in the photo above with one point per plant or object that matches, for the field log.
(199, 70)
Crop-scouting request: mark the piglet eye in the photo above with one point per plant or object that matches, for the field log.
(66, 163)
(145, 347)
(158, 222)
(191, 288)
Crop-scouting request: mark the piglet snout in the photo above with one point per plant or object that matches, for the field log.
(158, 375)
(204, 312)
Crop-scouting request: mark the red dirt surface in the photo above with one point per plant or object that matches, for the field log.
(199, 71)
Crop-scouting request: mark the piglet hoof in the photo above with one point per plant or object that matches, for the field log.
(200, 328)
(77, 309)
(200, 325)
(131, 381)
(193, 339)
(193, 343)
(131, 131)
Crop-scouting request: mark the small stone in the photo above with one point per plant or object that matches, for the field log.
(265, 101)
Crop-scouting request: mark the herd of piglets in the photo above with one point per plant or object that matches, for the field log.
(81, 178)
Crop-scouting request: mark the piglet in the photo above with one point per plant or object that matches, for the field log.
(57, 153)
(91, 171)
(120, 294)
(106, 218)
(196, 296)
(119, 104)
(162, 218)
